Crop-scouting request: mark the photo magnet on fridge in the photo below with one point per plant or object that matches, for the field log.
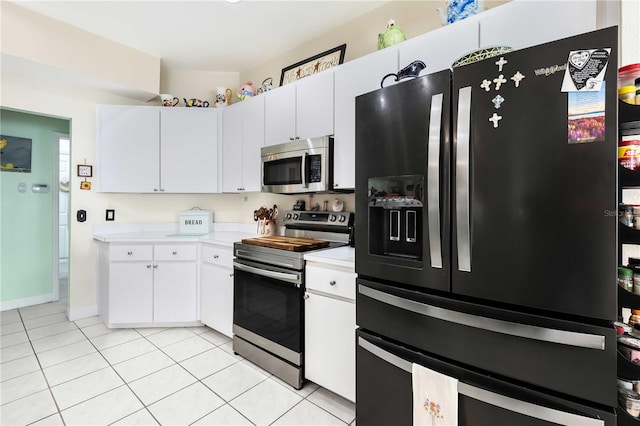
(585, 70)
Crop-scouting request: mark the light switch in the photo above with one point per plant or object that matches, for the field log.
(22, 187)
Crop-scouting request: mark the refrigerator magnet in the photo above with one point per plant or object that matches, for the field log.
(585, 70)
(586, 117)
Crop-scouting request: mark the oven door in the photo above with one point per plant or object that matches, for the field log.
(268, 308)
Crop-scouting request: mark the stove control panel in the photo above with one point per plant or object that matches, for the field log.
(315, 218)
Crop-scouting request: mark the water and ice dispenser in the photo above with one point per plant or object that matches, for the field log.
(395, 216)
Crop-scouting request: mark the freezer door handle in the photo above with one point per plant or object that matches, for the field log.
(463, 159)
(551, 335)
(433, 181)
(488, 397)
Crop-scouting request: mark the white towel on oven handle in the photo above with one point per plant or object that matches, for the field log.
(435, 398)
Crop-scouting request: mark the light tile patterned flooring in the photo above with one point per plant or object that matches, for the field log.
(56, 372)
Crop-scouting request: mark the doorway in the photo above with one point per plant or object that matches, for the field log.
(30, 208)
(64, 176)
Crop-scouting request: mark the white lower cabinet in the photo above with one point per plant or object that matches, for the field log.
(147, 284)
(216, 288)
(330, 323)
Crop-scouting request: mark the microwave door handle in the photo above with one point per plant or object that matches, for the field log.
(463, 158)
(433, 181)
(305, 184)
(515, 405)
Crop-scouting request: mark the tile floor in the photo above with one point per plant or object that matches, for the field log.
(56, 372)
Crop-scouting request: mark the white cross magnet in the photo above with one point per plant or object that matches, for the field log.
(499, 81)
(486, 85)
(497, 101)
(517, 78)
(495, 118)
(501, 63)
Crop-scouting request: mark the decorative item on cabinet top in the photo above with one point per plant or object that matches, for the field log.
(392, 35)
(246, 91)
(411, 70)
(169, 100)
(223, 97)
(459, 9)
(313, 65)
(267, 84)
(195, 102)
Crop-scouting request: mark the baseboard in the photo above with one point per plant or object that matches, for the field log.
(81, 313)
(27, 301)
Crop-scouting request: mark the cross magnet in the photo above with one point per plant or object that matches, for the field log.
(517, 78)
(495, 118)
(500, 63)
(497, 101)
(486, 85)
(499, 81)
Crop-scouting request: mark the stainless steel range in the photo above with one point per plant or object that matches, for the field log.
(268, 305)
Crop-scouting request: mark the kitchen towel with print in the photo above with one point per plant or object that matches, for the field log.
(435, 398)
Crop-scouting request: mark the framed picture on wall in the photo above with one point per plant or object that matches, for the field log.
(15, 154)
(85, 170)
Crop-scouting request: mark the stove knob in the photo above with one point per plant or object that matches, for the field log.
(295, 216)
(342, 218)
(288, 216)
(332, 218)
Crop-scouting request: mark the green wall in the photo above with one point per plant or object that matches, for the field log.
(26, 219)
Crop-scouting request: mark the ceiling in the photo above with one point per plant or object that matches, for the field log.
(206, 35)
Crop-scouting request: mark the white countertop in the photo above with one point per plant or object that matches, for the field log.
(223, 234)
(340, 256)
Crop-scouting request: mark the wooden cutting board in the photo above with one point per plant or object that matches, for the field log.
(287, 243)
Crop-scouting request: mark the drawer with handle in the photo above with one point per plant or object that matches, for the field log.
(132, 252)
(217, 255)
(334, 281)
(175, 252)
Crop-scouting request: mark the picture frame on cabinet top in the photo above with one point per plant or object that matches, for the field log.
(313, 65)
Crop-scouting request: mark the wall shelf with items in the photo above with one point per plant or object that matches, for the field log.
(629, 119)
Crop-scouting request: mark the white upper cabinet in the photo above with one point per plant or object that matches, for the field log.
(303, 109)
(154, 149)
(439, 48)
(242, 138)
(189, 150)
(280, 115)
(521, 24)
(128, 154)
(352, 79)
(314, 105)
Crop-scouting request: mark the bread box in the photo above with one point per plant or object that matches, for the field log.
(196, 222)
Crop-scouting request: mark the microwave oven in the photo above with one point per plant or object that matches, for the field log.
(303, 165)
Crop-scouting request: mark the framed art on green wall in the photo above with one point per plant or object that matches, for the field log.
(15, 154)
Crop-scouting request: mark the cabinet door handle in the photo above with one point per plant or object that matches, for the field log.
(306, 296)
(155, 266)
(129, 253)
(155, 189)
(161, 189)
(332, 282)
(148, 266)
(175, 252)
(215, 256)
(231, 275)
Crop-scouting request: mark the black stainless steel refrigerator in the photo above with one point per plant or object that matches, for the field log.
(486, 245)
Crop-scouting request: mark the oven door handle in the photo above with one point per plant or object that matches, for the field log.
(291, 278)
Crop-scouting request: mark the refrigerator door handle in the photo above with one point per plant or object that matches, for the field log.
(551, 335)
(463, 160)
(433, 181)
(526, 408)
(394, 225)
(488, 397)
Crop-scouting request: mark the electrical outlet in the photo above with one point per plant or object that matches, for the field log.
(110, 215)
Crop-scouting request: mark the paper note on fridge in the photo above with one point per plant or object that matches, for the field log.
(585, 70)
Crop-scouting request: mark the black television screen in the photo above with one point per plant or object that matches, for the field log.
(15, 154)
